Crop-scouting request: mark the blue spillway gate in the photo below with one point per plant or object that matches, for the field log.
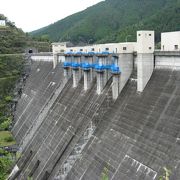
(87, 66)
(115, 69)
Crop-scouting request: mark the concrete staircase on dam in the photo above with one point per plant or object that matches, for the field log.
(138, 136)
(61, 130)
(39, 90)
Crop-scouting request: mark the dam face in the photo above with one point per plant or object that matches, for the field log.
(99, 114)
(38, 92)
(142, 134)
(66, 121)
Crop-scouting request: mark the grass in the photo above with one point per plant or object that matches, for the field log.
(6, 138)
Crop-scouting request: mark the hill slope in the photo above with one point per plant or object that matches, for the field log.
(14, 40)
(104, 21)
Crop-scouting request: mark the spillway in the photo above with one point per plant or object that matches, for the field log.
(99, 114)
(138, 136)
(60, 131)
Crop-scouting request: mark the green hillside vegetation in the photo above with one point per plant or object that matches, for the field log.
(5, 164)
(10, 71)
(14, 40)
(157, 22)
(113, 20)
(6, 138)
(11, 67)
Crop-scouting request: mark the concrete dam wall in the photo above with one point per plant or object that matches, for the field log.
(138, 136)
(99, 115)
(36, 98)
(133, 137)
(67, 125)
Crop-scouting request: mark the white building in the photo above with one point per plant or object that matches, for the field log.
(145, 42)
(170, 41)
(127, 47)
(58, 47)
(2, 23)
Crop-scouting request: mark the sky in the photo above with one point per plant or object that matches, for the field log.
(30, 15)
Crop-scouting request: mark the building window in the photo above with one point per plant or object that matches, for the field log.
(163, 47)
(116, 50)
(107, 49)
(150, 48)
(92, 49)
(81, 49)
(149, 34)
(124, 48)
(71, 50)
(175, 47)
(139, 34)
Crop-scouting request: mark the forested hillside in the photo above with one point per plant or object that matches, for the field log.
(113, 20)
(14, 40)
(11, 67)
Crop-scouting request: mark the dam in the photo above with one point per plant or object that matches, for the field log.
(100, 110)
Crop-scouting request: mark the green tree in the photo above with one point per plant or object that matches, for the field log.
(113, 20)
(104, 175)
(166, 174)
(5, 164)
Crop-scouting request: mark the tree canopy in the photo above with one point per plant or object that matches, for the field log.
(113, 20)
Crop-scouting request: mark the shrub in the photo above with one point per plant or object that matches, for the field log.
(9, 139)
(5, 163)
(8, 98)
(166, 174)
(5, 125)
(105, 174)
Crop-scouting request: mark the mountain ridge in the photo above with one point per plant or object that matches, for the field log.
(100, 22)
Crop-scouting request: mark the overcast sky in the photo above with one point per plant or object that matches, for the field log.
(34, 14)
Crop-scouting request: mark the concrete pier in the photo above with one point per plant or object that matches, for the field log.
(102, 72)
(87, 79)
(75, 77)
(145, 58)
(67, 73)
(91, 60)
(115, 86)
(145, 64)
(100, 82)
(55, 60)
(126, 64)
